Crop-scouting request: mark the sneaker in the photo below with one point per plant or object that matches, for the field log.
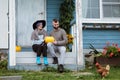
(60, 68)
(38, 60)
(55, 60)
(45, 61)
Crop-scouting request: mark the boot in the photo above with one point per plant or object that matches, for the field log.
(55, 60)
(45, 61)
(60, 68)
(38, 60)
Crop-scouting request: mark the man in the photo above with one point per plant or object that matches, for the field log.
(58, 45)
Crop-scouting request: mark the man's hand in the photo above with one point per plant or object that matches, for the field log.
(55, 42)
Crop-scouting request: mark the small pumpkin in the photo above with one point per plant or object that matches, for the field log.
(18, 48)
(49, 39)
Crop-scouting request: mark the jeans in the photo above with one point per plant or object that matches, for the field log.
(52, 49)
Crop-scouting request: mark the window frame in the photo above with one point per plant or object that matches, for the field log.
(102, 19)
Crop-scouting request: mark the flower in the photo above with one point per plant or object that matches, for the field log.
(111, 50)
(70, 38)
(70, 42)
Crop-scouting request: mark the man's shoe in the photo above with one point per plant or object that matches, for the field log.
(55, 60)
(60, 68)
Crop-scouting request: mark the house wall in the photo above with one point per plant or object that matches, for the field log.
(4, 24)
(52, 12)
(99, 37)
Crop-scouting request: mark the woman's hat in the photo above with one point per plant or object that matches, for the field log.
(35, 24)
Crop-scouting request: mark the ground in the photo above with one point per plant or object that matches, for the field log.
(52, 74)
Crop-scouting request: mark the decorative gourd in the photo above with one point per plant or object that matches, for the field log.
(49, 39)
(18, 48)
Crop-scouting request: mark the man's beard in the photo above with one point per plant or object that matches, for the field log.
(55, 27)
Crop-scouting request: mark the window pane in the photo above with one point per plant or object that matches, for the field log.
(107, 11)
(95, 13)
(94, 3)
(88, 14)
(90, 8)
(116, 10)
(111, 10)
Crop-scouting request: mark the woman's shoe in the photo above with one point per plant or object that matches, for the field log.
(45, 61)
(38, 60)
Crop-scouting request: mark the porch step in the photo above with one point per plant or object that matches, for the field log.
(35, 67)
(30, 58)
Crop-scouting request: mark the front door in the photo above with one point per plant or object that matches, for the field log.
(3, 24)
(27, 12)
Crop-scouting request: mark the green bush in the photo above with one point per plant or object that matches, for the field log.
(66, 10)
(3, 64)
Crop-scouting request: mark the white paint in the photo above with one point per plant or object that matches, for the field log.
(12, 39)
(3, 24)
(80, 57)
(28, 11)
(30, 58)
(74, 47)
(26, 60)
(101, 9)
(105, 20)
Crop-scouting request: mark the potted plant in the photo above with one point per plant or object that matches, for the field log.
(110, 55)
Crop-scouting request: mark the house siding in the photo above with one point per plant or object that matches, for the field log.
(52, 12)
(99, 38)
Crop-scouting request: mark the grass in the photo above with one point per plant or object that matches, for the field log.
(52, 74)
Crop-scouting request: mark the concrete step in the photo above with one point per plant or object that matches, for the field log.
(35, 67)
(30, 58)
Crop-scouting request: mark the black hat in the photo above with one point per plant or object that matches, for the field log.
(37, 22)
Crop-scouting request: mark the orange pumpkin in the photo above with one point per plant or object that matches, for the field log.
(49, 39)
(18, 48)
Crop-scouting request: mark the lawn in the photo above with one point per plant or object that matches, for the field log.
(52, 74)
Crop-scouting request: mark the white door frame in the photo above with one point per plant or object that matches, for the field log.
(12, 33)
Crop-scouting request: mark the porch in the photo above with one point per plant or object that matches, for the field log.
(25, 59)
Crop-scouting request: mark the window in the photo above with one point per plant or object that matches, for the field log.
(111, 8)
(91, 9)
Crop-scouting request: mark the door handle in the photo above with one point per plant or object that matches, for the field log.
(41, 13)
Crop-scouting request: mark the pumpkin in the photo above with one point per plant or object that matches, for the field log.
(18, 48)
(49, 39)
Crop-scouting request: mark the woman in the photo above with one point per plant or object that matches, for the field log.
(37, 37)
